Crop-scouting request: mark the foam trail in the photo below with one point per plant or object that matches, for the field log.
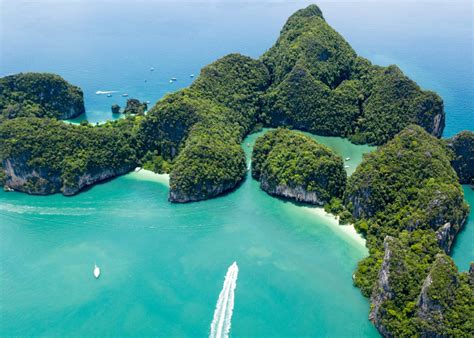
(221, 322)
(102, 92)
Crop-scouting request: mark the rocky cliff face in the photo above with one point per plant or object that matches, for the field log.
(383, 290)
(20, 177)
(446, 235)
(462, 145)
(431, 305)
(298, 192)
(201, 192)
(41, 181)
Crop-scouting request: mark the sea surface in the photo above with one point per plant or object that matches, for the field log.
(163, 265)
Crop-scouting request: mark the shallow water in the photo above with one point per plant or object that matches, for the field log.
(163, 264)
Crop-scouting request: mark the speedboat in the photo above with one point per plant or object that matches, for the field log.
(348, 158)
(192, 75)
(124, 94)
(96, 271)
(174, 79)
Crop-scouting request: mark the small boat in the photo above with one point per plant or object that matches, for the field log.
(346, 166)
(174, 79)
(348, 158)
(192, 75)
(96, 271)
(109, 95)
(137, 169)
(171, 81)
(147, 102)
(124, 94)
(152, 69)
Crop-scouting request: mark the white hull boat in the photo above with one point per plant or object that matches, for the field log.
(96, 271)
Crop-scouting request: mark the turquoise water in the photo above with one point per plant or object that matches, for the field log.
(163, 264)
(463, 250)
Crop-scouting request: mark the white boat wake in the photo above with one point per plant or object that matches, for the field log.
(102, 92)
(220, 325)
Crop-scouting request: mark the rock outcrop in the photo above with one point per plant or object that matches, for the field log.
(135, 107)
(408, 184)
(292, 165)
(297, 193)
(462, 145)
(30, 161)
(42, 181)
(383, 290)
(115, 109)
(39, 95)
(431, 305)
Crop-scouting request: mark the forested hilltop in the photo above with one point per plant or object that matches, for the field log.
(405, 197)
(39, 95)
(311, 79)
(292, 165)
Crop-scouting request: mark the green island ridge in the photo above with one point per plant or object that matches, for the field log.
(311, 79)
(405, 197)
(39, 95)
(292, 165)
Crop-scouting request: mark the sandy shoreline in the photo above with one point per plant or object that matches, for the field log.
(347, 230)
(148, 175)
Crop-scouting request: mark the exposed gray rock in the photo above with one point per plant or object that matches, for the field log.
(298, 193)
(462, 145)
(20, 177)
(382, 290)
(202, 192)
(430, 310)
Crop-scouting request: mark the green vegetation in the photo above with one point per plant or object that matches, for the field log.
(39, 95)
(307, 39)
(311, 79)
(405, 191)
(462, 145)
(320, 85)
(394, 102)
(53, 156)
(290, 164)
(405, 197)
(200, 129)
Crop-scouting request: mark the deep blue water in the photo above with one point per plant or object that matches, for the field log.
(111, 45)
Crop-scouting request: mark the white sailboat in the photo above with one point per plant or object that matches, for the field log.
(96, 271)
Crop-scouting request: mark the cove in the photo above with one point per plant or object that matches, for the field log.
(163, 264)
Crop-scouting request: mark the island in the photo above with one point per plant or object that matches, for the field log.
(39, 95)
(292, 165)
(311, 79)
(405, 197)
